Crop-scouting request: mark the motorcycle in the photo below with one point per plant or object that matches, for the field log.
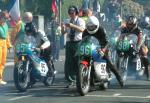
(127, 51)
(92, 67)
(30, 68)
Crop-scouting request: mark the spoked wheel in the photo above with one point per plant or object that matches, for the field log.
(49, 79)
(21, 75)
(83, 79)
(122, 66)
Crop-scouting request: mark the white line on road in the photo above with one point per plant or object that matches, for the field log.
(112, 96)
(148, 96)
(20, 97)
(117, 94)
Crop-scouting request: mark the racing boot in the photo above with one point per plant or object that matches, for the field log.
(114, 70)
(145, 62)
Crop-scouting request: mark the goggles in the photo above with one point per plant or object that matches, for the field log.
(91, 27)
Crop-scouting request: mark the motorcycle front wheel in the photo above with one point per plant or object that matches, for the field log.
(83, 79)
(123, 67)
(21, 75)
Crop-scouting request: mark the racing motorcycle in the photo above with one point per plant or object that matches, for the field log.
(127, 52)
(31, 68)
(92, 67)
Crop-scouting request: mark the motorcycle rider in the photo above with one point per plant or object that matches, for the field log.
(93, 28)
(38, 38)
(133, 28)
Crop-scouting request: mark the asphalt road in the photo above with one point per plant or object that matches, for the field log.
(135, 91)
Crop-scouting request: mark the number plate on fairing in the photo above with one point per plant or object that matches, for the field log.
(138, 64)
(100, 69)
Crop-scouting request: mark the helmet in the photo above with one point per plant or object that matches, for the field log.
(92, 25)
(147, 20)
(30, 29)
(28, 17)
(131, 21)
(73, 9)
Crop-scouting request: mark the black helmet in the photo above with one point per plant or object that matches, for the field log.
(30, 28)
(131, 21)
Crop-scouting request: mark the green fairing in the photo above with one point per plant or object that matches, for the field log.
(21, 48)
(85, 49)
(123, 45)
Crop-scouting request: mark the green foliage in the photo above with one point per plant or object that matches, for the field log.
(66, 4)
(77, 3)
(3, 4)
(146, 4)
(130, 7)
(38, 7)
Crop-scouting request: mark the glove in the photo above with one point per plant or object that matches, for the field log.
(100, 51)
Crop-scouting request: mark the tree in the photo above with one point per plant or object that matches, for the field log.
(130, 7)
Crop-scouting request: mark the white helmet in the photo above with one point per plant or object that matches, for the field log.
(147, 20)
(92, 25)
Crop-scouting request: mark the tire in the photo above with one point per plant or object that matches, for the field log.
(21, 75)
(83, 79)
(49, 79)
(104, 86)
(123, 66)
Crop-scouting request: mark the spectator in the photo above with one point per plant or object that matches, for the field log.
(57, 42)
(96, 8)
(85, 4)
(86, 13)
(4, 44)
(75, 27)
(113, 9)
(19, 31)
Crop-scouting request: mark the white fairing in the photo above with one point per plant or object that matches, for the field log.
(100, 70)
(41, 67)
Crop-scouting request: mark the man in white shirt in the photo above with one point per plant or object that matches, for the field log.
(75, 28)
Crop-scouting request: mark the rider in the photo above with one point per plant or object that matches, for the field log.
(93, 28)
(38, 37)
(133, 28)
